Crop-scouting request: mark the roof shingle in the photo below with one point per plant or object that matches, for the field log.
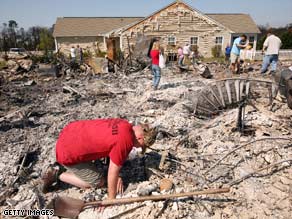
(90, 26)
(238, 23)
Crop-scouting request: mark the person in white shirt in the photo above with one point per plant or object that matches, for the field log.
(271, 48)
(186, 53)
(73, 53)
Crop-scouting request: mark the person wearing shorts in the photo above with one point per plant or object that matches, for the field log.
(82, 144)
(238, 44)
(90, 172)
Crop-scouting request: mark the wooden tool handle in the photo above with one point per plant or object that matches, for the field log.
(154, 197)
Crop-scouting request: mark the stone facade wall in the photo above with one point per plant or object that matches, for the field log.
(183, 23)
(90, 43)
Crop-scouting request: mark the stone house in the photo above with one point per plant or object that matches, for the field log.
(176, 24)
(87, 32)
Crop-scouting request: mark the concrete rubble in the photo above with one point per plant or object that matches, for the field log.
(194, 150)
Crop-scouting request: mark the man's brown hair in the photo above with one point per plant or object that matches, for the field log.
(270, 31)
(149, 136)
(244, 36)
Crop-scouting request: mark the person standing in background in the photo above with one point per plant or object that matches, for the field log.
(271, 48)
(187, 53)
(180, 56)
(227, 53)
(73, 54)
(80, 54)
(156, 71)
(238, 44)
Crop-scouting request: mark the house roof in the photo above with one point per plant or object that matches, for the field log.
(95, 26)
(238, 23)
(171, 4)
(90, 26)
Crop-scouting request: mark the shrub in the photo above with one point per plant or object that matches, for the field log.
(87, 54)
(100, 54)
(35, 59)
(217, 51)
(47, 57)
(287, 40)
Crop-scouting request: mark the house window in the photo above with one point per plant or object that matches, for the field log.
(171, 40)
(171, 57)
(219, 41)
(251, 40)
(194, 41)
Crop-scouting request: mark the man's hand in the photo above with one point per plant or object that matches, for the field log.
(120, 186)
(264, 49)
(120, 190)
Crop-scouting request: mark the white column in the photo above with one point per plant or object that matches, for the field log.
(104, 43)
(121, 42)
(255, 41)
(56, 44)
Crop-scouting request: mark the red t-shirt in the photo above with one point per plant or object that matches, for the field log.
(154, 54)
(88, 140)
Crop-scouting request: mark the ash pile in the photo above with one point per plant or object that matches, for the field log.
(220, 132)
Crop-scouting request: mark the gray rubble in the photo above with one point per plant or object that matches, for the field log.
(199, 152)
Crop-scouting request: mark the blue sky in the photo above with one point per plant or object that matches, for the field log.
(29, 13)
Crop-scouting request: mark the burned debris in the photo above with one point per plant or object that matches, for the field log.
(225, 132)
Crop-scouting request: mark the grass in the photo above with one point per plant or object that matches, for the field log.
(212, 59)
(2, 64)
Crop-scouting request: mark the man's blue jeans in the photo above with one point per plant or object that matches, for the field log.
(270, 59)
(157, 75)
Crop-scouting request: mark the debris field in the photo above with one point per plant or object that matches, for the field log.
(228, 131)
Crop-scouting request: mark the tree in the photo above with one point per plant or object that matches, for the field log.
(4, 38)
(261, 42)
(46, 40)
(34, 35)
(287, 40)
(12, 26)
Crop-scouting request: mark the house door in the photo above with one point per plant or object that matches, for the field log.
(111, 48)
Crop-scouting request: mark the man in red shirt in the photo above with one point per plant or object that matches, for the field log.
(82, 142)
